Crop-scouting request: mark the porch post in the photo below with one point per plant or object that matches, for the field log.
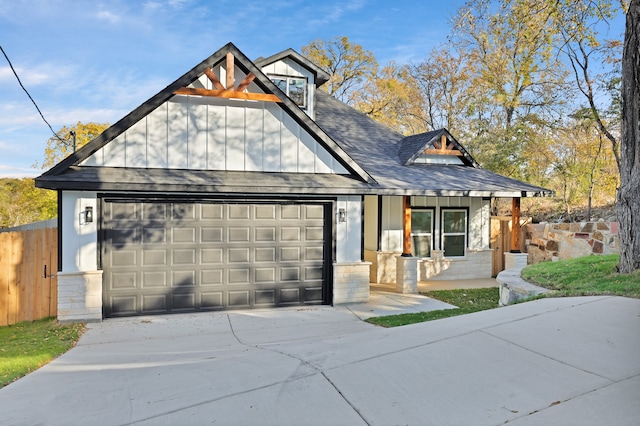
(515, 225)
(406, 226)
(406, 264)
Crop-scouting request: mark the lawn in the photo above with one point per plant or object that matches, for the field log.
(467, 301)
(27, 346)
(584, 276)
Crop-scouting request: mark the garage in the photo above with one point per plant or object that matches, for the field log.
(170, 256)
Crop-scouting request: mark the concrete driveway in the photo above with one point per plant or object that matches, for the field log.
(552, 361)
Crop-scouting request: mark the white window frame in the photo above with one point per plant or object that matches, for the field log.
(289, 79)
(444, 235)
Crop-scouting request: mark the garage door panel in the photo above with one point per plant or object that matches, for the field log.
(239, 234)
(183, 235)
(153, 303)
(124, 280)
(183, 256)
(211, 256)
(153, 235)
(181, 212)
(264, 254)
(211, 300)
(123, 258)
(238, 298)
(154, 279)
(183, 278)
(211, 277)
(211, 234)
(212, 211)
(180, 257)
(238, 255)
(238, 211)
(265, 212)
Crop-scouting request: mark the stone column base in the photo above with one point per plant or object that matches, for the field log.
(407, 275)
(515, 260)
(80, 296)
(351, 282)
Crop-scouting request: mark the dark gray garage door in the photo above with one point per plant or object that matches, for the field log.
(161, 257)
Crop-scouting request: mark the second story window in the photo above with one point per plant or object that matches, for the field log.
(294, 87)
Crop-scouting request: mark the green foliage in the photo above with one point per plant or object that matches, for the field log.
(348, 64)
(467, 301)
(61, 146)
(585, 276)
(27, 346)
(21, 202)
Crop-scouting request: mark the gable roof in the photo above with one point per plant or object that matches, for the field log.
(378, 158)
(321, 76)
(377, 148)
(413, 146)
(263, 82)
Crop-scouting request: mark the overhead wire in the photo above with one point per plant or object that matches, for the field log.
(27, 92)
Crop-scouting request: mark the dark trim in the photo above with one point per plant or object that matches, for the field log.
(321, 76)
(442, 211)
(362, 228)
(433, 226)
(60, 253)
(330, 242)
(379, 230)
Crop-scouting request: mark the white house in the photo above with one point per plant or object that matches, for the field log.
(242, 185)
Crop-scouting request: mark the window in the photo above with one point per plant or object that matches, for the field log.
(295, 88)
(454, 232)
(421, 232)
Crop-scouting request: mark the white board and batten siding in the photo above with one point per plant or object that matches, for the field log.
(207, 133)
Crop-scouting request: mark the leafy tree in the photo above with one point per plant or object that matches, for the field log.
(348, 64)
(60, 146)
(628, 197)
(576, 22)
(21, 202)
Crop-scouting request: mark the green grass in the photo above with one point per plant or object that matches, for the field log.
(467, 301)
(584, 276)
(27, 346)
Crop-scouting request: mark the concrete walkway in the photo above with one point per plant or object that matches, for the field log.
(565, 361)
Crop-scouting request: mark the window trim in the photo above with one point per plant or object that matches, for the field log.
(433, 216)
(443, 210)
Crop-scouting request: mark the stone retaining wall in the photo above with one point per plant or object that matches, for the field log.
(559, 241)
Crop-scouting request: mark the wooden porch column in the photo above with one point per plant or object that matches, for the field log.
(406, 226)
(515, 225)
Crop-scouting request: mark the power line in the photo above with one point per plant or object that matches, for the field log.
(25, 91)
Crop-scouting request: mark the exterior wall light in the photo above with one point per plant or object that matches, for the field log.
(342, 215)
(88, 214)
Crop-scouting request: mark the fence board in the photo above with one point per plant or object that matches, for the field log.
(5, 260)
(25, 294)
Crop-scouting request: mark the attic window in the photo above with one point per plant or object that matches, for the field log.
(294, 87)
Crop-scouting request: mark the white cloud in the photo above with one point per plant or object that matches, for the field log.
(105, 15)
(7, 171)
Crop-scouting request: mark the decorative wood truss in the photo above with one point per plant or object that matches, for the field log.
(442, 148)
(228, 91)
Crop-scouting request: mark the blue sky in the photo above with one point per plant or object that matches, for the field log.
(98, 60)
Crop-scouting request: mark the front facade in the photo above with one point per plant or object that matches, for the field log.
(240, 186)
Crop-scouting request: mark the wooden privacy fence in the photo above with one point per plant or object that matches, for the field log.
(501, 240)
(25, 293)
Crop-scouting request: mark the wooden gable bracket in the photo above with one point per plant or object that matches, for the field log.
(442, 148)
(229, 92)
